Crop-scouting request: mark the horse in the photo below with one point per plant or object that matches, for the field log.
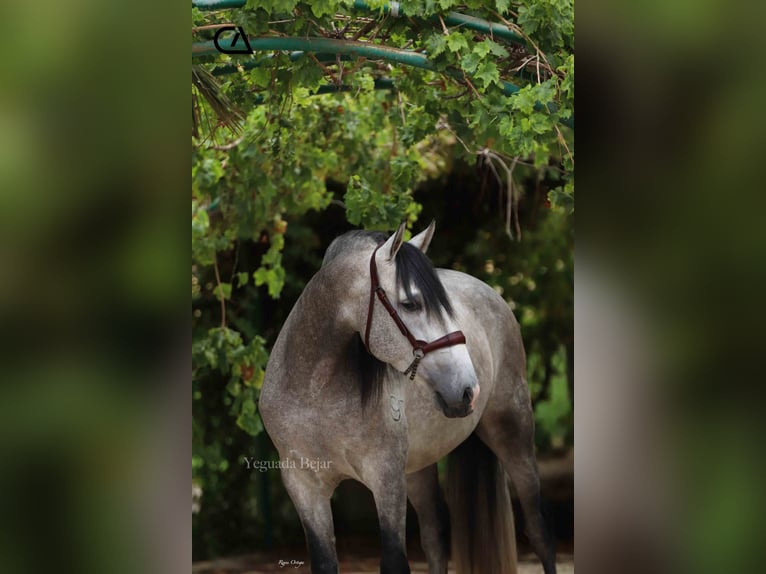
(353, 389)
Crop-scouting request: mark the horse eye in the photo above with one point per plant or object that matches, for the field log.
(410, 305)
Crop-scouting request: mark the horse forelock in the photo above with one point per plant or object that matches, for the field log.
(414, 268)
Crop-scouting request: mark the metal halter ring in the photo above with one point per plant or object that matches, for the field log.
(412, 370)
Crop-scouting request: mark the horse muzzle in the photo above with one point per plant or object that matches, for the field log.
(460, 403)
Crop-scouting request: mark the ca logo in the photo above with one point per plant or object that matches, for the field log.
(238, 45)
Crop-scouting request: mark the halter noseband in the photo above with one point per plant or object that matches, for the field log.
(419, 348)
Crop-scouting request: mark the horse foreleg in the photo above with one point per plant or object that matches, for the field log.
(390, 492)
(315, 513)
(426, 497)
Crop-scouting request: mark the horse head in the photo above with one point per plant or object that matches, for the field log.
(410, 323)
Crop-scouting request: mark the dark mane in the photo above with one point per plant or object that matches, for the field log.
(370, 369)
(412, 268)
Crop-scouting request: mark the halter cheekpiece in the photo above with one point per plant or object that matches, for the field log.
(419, 348)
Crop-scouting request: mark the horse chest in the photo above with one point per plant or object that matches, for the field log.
(430, 435)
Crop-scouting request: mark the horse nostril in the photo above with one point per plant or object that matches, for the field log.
(467, 395)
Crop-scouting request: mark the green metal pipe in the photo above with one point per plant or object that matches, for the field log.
(342, 47)
(479, 25)
(218, 4)
(326, 45)
(231, 68)
(348, 48)
(394, 8)
(453, 19)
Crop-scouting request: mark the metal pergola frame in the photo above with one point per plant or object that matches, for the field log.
(331, 47)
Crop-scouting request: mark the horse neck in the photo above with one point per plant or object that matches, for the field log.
(322, 327)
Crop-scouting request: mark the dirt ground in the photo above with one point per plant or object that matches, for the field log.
(255, 564)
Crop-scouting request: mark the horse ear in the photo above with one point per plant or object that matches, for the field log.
(423, 239)
(393, 243)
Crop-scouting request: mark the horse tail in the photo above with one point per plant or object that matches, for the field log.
(481, 517)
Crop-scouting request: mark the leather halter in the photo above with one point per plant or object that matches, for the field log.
(419, 348)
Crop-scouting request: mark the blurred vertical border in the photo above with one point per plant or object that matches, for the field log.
(669, 286)
(94, 401)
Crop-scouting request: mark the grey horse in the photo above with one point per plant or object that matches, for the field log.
(354, 390)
